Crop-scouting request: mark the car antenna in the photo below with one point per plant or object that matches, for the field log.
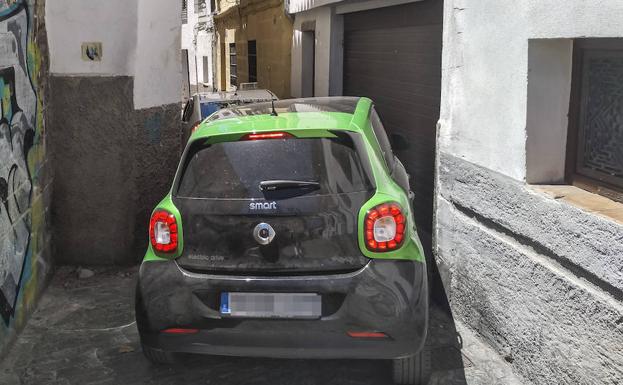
(272, 103)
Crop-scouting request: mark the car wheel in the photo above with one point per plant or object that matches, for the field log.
(413, 370)
(157, 356)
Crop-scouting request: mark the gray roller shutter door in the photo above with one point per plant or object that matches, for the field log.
(393, 56)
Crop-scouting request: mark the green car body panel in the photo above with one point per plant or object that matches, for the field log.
(311, 125)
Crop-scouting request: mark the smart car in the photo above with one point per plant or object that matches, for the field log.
(288, 232)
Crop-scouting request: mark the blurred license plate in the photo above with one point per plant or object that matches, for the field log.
(271, 305)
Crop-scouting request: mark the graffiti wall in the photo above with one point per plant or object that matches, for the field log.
(22, 154)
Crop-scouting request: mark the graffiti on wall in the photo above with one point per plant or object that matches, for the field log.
(18, 125)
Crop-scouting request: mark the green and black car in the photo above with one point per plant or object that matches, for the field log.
(288, 232)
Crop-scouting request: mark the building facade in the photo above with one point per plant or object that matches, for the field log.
(89, 97)
(388, 50)
(253, 45)
(529, 220)
(197, 46)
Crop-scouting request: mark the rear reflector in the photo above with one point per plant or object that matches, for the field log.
(180, 331)
(267, 135)
(367, 334)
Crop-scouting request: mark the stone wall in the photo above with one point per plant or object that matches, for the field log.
(113, 165)
(537, 278)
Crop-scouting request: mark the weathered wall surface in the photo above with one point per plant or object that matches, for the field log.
(110, 182)
(114, 127)
(111, 22)
(539, 279)
(25, 177)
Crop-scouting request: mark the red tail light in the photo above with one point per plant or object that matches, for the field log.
(367, 334)
(180, 331)
(267, 135)
(195, 127)
(384, 227)
(163, 232)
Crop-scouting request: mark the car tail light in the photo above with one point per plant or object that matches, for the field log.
(367, 334)
(384, 227)
(267, 135)
(163, 232)
(194, 127)
(180, 331)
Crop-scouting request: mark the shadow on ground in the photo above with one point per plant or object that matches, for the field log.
(83, 332)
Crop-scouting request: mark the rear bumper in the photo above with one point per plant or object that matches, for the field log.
(386, 296)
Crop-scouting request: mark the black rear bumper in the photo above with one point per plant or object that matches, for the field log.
(384, 296)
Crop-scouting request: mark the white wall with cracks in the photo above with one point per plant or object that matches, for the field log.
(537, 278)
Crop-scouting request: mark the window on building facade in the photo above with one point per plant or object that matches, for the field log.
(595, 142)
(252, 56)
(184, 11)
(233, 68)
(212, 5)
(199, 6)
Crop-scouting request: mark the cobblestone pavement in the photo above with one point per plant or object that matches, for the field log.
(83, 332)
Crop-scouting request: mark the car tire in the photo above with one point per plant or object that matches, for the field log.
(413, 370)
(157, 356)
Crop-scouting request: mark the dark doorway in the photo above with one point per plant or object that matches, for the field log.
(186, 75)
(308, 68)
(393, 56)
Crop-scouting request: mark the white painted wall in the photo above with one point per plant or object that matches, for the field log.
(71, 22)
(140, 38)
(549, 89)
(158, 67)
(324, 39)
(485, 70)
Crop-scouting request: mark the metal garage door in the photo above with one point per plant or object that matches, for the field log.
(393, 56)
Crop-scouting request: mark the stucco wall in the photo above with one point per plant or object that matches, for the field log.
(140, 38)
(112, 22)
(485, 70)
(158, 67)
(537, 278)
(325, 38)
(115, 124)
(25, 173)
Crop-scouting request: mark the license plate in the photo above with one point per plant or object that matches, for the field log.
(271, 305)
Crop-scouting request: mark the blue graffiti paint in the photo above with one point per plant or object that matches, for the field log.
(153, 127)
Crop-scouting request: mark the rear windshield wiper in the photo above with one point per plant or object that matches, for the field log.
(274, 185)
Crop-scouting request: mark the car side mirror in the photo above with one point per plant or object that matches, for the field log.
(188, 111)
(399, 142)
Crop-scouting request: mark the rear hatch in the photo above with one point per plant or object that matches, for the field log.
(307, 190)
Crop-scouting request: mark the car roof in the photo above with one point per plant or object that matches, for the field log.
(245, 96)
(326, 113)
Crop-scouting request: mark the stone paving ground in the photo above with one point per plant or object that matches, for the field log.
(83, 332)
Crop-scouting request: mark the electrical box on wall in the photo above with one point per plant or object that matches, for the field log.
(92, 51)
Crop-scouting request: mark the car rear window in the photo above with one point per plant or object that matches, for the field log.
(234, 170)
